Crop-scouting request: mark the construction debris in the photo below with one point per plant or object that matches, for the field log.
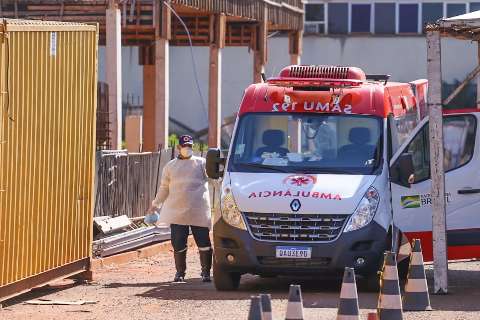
(130, 240)
(59, 302)
(109, 225)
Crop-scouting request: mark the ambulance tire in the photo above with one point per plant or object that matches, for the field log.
(370, 283)
(224, 280)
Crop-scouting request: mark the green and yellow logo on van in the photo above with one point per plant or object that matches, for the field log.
(409, 202)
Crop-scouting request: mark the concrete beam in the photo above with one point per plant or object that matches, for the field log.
(114, 74)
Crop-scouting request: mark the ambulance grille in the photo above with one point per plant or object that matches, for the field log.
(324, 72)
(295, 227)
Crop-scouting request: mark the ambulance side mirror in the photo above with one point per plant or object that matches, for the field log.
(402, 171)
(214, 164)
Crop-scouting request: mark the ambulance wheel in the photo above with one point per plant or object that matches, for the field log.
(224, 280)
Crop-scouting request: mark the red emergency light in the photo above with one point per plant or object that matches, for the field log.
(322, 76)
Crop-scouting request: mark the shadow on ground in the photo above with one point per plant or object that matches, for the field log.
(317, 293)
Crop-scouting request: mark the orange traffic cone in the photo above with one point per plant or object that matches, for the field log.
(295, 303)
(416, 296)
(348, 306)
(389, 301)
(372, 316)
(255, 312)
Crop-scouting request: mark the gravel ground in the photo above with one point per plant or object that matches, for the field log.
(142, 290)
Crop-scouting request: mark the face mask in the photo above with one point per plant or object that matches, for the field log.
(186, 152)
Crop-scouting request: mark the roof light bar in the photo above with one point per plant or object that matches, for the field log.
(314, 82)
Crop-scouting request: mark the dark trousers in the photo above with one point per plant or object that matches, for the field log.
(179, 235)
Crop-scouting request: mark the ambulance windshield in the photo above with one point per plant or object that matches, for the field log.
(307, 143)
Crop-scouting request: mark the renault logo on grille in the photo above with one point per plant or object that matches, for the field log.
(295, 205)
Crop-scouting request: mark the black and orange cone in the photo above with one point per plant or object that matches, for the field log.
(389, 301)
(295, 303)
(255, 312)
(348, 306)
(416, 296)
(266, 302)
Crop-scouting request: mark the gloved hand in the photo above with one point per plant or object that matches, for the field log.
(152, 209)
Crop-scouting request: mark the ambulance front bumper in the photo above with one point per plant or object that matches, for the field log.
(237, 250)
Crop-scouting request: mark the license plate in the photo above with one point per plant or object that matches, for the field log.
(294, 252)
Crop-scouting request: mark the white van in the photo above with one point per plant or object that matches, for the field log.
(325, 165)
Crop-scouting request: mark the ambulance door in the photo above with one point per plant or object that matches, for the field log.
(411, 199)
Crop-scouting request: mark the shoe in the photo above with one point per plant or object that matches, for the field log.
(206, 277)
(179, 277)
(206, 263)
(180, 265)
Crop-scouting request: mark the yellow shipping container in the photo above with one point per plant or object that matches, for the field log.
(48, 80)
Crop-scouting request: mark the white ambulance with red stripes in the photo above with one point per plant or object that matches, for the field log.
(326, 164)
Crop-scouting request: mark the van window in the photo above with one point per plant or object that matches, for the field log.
(307, 143)
(401, 127)
(459, 142)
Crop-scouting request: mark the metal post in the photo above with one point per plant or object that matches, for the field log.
(434, 102)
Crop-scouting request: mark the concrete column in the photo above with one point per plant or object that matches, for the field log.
(156, 82)
(478, 78)
(215, 96)
(217, 42)
(162, 87)
(258, 66)
(133, 133)
(434, 104)
(295, 46)
(114, 74)
(156, 96)
(260, 48)
(149, 143)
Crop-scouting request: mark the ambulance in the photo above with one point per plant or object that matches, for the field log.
(329, 167)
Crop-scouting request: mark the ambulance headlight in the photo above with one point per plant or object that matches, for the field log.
(230, 212)
(365, 211)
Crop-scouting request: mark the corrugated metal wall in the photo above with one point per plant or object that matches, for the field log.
(47, 140)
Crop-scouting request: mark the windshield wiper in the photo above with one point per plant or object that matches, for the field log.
(263, 166)
(329, 171)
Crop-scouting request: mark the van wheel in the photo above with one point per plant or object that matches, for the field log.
(370, 283)
(224, 280)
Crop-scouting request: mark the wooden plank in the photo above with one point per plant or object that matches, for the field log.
(474, 73)
(434, 103)
(22, 286)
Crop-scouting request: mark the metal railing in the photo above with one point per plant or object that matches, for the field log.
(125, 183)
